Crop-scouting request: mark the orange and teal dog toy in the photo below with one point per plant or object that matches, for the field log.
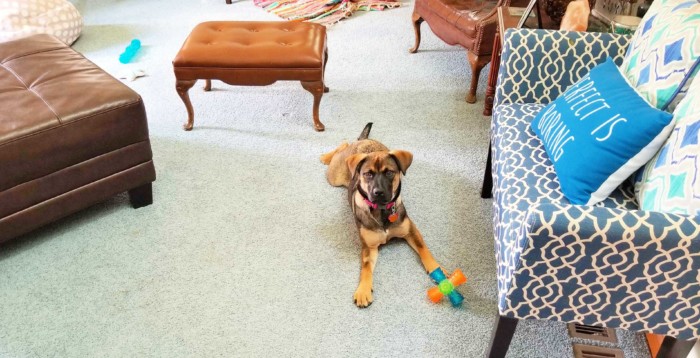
(447, 287)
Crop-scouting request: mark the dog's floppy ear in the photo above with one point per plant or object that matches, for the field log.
(354, 162)
(402, 158)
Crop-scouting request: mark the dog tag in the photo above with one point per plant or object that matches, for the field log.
(393, 216)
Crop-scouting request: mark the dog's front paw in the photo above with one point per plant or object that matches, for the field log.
(363, 296)
(326, 158)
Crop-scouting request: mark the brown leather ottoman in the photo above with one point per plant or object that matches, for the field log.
(253, 54)
(70, 136)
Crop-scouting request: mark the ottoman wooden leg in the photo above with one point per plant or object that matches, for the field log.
(182, 86)
(325, 61)
(316, 88)
(207, 85)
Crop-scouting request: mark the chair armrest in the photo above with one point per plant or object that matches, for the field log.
(636, 270)
(537, 65)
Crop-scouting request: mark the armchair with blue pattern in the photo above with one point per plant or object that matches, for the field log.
(610, 264)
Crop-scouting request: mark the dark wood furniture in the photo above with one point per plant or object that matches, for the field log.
(505, 21)
(663, 346)
(253, 53)
(470, 24)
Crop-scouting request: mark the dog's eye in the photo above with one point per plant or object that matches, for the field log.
(368, 175)
(390, 174)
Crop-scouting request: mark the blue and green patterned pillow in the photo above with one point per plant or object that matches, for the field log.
(670, 182)
(664, 54)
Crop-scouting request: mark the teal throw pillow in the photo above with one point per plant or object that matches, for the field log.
(598, 133)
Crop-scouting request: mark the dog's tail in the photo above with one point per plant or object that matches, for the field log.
(365, 132)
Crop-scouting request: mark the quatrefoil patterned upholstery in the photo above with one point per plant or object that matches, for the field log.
(538, 73)
(609, 264)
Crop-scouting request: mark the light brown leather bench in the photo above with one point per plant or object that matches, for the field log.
(251, 53)
(70, 136)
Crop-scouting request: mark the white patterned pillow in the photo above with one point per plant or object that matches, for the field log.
(664, 53)
(671, 180)
(22, 18)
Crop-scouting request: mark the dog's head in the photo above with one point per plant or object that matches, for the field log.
(380, 173)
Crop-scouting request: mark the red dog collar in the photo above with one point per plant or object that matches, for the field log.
(374, 205)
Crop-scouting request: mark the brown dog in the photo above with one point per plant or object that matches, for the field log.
(372, 173)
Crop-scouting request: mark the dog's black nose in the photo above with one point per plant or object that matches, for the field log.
(377, 193)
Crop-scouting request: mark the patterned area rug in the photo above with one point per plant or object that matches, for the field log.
(325, 12)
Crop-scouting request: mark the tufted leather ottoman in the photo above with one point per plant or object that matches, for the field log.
(253, 54)
(70, 136)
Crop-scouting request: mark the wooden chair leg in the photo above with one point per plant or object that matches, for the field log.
(207, 85)
(487, 185)
(675, 348)
(228, 1)
(141, 196)
(501, 336)
(325, 61)
(316, 88)
(417, 20)
(493, 76)
(182, 86)
(477, 63)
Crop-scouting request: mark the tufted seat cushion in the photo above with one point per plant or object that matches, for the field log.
(250, 44)
(253, 53)
(49, 109)
(461, 22)
(70, 132)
